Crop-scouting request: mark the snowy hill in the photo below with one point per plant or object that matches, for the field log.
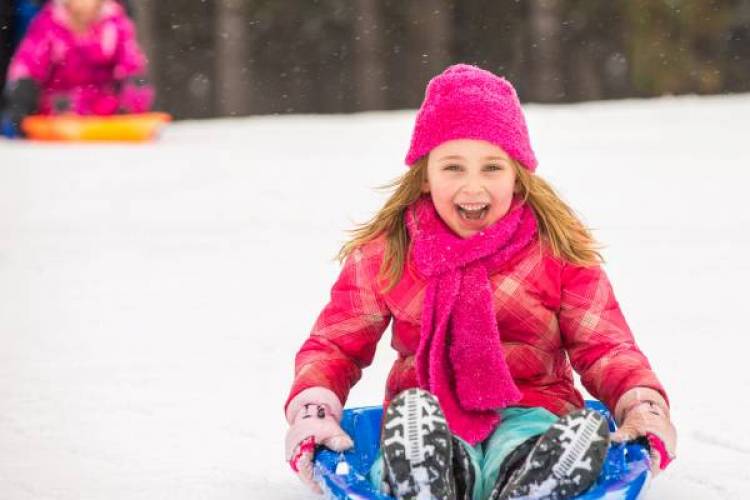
(152, 297)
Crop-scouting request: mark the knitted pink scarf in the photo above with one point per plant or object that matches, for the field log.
(460, 358)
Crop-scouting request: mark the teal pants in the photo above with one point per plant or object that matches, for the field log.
(517, 425)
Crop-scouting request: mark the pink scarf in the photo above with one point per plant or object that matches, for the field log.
(460, 358)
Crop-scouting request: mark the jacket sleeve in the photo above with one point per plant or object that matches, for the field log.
(136, 92)
(130, 60)
(33, 57)
(597, 338)
(346, 333)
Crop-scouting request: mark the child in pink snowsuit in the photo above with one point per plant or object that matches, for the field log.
(81, 57)
(496, 294)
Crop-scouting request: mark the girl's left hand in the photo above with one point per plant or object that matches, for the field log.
(314, 416)
(650, 419)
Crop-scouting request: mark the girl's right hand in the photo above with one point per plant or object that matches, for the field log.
(643, 412)
(314, 416)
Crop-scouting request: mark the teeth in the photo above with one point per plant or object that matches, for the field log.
(472, 207)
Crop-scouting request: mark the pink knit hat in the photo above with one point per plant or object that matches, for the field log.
(467, 102)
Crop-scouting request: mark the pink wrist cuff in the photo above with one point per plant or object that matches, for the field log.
(656, 444)
(314, 395)
(307, 446)
(637, 396)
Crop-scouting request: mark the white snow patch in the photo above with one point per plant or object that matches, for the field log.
(152, 297)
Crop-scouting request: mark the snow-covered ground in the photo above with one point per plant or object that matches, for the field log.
(152, 297)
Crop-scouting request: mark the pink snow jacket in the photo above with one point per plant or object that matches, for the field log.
(87, 73)
(551, 315)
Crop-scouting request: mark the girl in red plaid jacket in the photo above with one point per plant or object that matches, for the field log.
(494, 291)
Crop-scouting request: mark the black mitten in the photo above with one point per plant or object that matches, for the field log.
(22, 97)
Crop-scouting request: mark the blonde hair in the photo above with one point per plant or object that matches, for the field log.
(558, 225)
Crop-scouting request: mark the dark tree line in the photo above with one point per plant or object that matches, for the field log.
(6, 42)
(238, 57)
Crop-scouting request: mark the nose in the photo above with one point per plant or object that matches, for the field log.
(474, 185)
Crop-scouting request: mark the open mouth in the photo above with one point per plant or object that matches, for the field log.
(472, 211)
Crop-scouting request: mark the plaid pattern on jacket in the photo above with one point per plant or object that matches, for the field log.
(552, 316)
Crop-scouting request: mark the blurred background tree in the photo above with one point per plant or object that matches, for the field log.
(240, 57)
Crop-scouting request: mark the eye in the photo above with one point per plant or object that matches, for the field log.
(452, 168)
(493, 167)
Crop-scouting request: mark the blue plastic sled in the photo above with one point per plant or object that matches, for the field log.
(345, 475)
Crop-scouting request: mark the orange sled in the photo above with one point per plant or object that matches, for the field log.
(131, 128)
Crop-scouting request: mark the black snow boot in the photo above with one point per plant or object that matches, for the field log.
(564, 462)
(417, 448)
(464, 474)
(511, 464)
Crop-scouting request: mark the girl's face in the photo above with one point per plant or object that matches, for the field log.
(471, 183)
(84, 12)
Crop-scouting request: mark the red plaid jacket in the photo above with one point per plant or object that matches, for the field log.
(551, 315)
